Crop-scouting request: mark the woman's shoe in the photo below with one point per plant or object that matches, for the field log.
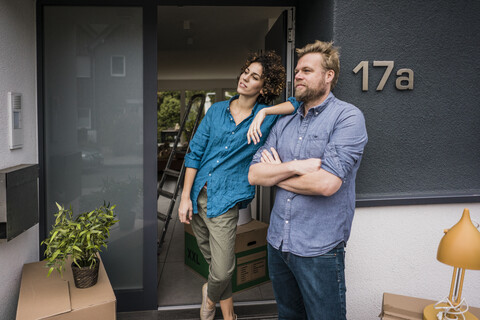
(205, 312)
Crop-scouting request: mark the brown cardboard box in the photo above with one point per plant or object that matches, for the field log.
(250, 253)
(57, 298)
(397, 307)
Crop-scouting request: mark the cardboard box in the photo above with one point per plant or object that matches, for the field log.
(251, 267)
(57, 298)
(397, 307)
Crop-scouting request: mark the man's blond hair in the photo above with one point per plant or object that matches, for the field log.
(330, 54)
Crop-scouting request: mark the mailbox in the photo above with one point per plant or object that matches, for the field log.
(18, 200)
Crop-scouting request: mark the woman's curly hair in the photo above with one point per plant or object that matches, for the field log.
(273, 74)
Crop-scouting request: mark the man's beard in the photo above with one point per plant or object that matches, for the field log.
(310, 94)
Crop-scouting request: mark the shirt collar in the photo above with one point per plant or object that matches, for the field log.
(230, 101)
(254, 110)
(317, 109)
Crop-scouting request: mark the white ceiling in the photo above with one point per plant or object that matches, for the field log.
(217, 43)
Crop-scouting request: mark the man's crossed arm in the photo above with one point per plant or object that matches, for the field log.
(300, 176)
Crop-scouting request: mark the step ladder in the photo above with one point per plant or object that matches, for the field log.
(169, 174)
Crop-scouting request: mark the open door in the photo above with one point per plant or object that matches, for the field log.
(279, 39)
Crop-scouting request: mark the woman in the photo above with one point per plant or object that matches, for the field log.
(216, 178)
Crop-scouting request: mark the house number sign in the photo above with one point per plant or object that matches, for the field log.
(404, 79)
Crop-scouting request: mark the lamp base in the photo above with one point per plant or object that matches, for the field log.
(430, 313)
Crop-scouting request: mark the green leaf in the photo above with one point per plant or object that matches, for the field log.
(54, 235)
(55, 254)
(75, 261)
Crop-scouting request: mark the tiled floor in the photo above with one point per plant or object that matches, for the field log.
(178, 284)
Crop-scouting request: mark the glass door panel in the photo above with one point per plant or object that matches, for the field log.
(93, 113)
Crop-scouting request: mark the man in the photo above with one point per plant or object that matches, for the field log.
(313, 157)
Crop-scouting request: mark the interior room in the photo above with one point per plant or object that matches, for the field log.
(200, 50)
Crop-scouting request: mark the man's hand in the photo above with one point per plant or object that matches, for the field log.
(254, 132)
(185, 210)
(272, 158)
(300, 167)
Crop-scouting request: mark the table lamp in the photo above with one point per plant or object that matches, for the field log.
(460, 248)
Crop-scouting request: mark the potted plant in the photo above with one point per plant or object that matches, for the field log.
(81, 239)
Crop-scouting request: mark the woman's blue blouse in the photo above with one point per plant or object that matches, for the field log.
(220, 153)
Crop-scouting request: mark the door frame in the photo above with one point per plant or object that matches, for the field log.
(127, 300)
(146, 298)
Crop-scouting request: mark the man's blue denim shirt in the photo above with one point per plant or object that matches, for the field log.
(335, 132)
(221, 154)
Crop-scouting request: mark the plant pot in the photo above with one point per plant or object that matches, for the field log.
(85, 277)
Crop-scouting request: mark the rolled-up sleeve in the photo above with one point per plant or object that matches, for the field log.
(346, 145)
(295, 104)
(199, 142)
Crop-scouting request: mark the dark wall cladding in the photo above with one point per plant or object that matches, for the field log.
(423, 142)
(313, 20)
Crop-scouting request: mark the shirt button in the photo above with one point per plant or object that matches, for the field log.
(233, 132)
(218, 161)
(316, 113)
(226, 147)
(286, 221)
(288, 200)
(300, 138)
(210, 174)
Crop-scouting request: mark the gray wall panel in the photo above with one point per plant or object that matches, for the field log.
(423, 142)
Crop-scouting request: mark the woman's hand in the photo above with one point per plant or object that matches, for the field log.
(185, 210)
(254, 132)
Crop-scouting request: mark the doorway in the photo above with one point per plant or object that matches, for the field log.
(201, 49)
(97, 103)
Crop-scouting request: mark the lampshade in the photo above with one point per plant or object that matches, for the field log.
(460, 246)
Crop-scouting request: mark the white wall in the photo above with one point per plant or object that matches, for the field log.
(394, 249)
(17, 74)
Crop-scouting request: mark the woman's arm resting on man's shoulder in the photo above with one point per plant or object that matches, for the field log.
(254, 132)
